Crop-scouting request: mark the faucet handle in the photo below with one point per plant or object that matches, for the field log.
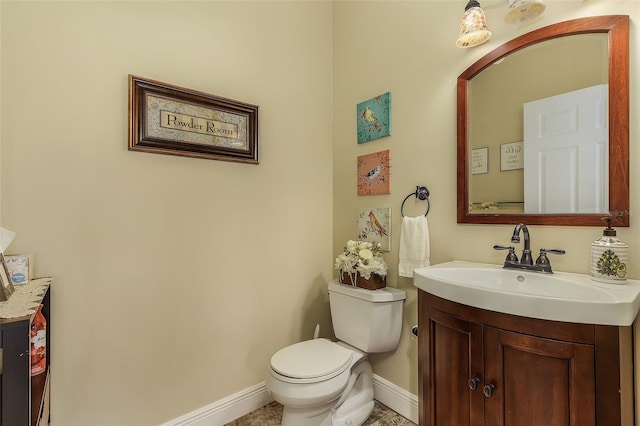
(543, 259)
(554, 251)
(511, 257)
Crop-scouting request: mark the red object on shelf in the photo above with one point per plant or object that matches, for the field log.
(38, 343)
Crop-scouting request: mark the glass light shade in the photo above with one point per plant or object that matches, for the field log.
(473, 27)
(523, 10)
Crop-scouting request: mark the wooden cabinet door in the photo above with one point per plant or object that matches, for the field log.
(453, 372)
(537, 381)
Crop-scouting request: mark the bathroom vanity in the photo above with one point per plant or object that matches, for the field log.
(24, 399)
(480, 363)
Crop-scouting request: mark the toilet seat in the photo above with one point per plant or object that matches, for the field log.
(311, 361)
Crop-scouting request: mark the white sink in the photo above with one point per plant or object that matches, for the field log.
(560, 296)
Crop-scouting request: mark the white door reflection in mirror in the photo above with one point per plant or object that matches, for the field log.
(566, 153)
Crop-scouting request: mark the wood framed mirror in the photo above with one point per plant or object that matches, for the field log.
(614, 30)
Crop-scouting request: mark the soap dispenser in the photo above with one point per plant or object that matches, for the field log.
(609, 257)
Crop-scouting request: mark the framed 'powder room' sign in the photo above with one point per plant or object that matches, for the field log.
(168, 119)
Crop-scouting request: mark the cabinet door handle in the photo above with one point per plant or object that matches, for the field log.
(487, 390)
(473, 383)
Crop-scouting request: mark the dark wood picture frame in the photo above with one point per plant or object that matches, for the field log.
(168, 119)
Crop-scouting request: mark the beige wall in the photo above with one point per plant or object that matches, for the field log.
(408, 48)
(175, 278)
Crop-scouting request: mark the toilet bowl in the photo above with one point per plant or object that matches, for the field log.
(325, 383)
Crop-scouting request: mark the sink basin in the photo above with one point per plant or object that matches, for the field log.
(560, 296)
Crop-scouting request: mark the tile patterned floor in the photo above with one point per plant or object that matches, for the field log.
(271, 414)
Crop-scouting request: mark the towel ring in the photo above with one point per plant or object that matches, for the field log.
(421, 193)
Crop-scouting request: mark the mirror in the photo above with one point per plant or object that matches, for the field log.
(491, 176)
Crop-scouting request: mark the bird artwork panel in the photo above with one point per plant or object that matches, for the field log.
(374, 118)
(374, 173)
(374, 225)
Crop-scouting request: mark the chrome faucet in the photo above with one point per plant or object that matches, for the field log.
(526, 261)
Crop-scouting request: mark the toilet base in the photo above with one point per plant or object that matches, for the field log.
(352, 408)
(358, 404)
(316, 416)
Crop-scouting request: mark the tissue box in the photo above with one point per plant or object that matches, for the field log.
(20, 267)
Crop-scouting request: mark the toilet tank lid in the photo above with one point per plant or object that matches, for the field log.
(385, 294)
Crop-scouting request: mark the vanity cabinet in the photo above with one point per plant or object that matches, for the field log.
(23, 398)
(479, 367)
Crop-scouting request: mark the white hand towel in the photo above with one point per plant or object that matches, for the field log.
(414, 245)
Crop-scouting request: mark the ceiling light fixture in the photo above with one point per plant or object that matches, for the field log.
(524, 10)
(473, 27)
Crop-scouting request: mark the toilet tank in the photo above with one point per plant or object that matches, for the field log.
(370, 320)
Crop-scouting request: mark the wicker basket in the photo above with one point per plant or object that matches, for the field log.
(373, 283)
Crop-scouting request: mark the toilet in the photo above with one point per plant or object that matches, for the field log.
(325, 383)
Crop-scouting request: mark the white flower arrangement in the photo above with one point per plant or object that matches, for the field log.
(362, 257)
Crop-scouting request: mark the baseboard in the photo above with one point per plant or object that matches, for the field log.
(237, 405)
(227, 409)
(398, 399)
